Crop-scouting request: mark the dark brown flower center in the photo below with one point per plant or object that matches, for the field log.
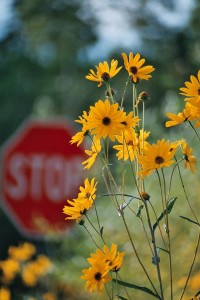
(185, 157)
(159, 160)
(97, 276)
(129, 143)
(106, 121)
(133, 70)
(87, 195)
(198, 91)
(124, 123)
(105, 76)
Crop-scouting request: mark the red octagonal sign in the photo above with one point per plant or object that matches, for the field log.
(40, 170)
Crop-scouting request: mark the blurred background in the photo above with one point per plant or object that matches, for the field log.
(46, 49)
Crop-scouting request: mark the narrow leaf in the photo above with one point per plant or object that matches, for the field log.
(186, 218)
(139, 211)
(101, 230)
(122, 298)
(165, 212)
(137, 287)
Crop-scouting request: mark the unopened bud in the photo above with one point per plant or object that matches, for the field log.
(145, 196)
(144, 96)
(112, 92)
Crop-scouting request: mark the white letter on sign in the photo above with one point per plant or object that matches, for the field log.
(17, 186)
(54, 178)
(37, 167)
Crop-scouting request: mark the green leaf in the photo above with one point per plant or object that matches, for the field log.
(186, 218)
(137, 287)
(165, 212)
(139, 211)
(101, 230)
(122, 298)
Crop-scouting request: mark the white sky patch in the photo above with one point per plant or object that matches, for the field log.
(172, 18)
(115, 19)
(6, 13)
(112, 33)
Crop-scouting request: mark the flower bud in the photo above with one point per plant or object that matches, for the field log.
(144, 96)
(145, 196)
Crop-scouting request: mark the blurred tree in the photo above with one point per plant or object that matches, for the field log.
(41, 70)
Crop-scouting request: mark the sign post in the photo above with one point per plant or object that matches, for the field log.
(40, 170)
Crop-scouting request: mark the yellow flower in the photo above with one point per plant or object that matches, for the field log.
(111, 256)
(22, 252)
(29, 274)
(106, 120)
(79, 136)
(190, 160)
(104, 72)
(130, 121)
(155, 157)
(93, 153)
(134, 66)
(76, 208)
(48, 296)
(192, 89)
(187, 114)
(34, 270)
(96, 276)
(131, 144)
(10, 267)
(89, 189)
(5, 293)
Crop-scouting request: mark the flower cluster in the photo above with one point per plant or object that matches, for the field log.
(191, 111)
(102, 262)
(20, 262)
(110, 128)
(76, 208)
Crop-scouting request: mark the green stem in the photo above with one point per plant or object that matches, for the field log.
(155, 250)
(137, 256)
(194, 130)
(109, 92)
(191, 267)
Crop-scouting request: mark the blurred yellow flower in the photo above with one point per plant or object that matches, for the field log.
(34, 270)
(22, 252)
(5, 294)
(10, 267)
(49, 296)
(104, 72)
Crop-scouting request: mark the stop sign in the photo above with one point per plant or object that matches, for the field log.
(40, 170)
